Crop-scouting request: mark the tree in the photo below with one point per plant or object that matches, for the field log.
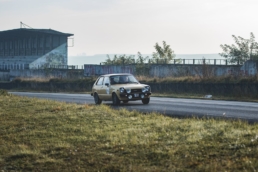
(141, 59)
(119, 60)
(245, 49)
(163, 54)
(141, 67)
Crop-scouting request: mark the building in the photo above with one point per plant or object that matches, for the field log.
(33, 48)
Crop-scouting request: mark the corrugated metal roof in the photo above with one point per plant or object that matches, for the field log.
(27, 31)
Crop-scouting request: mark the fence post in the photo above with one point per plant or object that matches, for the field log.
(193, 61)
(183, 61)
(237, 62)
(214, 61)
(174, 61)
(226, 62)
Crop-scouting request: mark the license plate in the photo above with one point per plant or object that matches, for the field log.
(136, 95)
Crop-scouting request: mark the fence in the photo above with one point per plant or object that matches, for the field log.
(179, 61)
(64, 67)
(14, 66)
(22, 66)
(27, 66)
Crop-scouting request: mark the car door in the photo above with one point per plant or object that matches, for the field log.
(98, 86)
(105, 91)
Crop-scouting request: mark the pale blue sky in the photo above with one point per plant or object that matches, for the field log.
(129, 26)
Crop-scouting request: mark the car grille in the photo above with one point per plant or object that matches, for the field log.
(136, 90)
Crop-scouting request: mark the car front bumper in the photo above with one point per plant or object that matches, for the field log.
(134, 96)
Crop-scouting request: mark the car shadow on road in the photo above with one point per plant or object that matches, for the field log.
(125, 104)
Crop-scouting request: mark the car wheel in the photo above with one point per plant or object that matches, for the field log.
(146, 101)
(115, 99)
(97, 99)
(125, 101)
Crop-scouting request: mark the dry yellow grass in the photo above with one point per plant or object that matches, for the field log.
(44, 135)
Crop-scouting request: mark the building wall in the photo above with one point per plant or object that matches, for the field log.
(92, 70)
(30, 45)
(193, 70)
(165, 70)
(45, 73)
(33, 49)
(4, 75)
(56, 57)
(174, 70)
(249, 68)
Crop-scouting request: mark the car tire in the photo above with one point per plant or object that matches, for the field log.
(125, 101)
(115, 99)
(146, 101)
(97, 99)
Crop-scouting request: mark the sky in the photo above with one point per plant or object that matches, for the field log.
(131, 26)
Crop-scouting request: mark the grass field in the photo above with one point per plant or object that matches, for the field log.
(44, 135)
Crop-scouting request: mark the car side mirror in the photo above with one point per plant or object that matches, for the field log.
(107, 84)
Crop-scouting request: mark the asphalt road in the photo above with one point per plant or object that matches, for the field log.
(169, 106)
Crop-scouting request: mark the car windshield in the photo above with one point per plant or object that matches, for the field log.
(123, 79)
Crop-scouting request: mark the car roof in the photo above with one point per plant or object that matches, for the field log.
(115, 74)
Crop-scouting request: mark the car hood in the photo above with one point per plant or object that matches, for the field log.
(132, 86)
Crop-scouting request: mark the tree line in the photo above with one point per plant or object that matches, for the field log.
(163, 54)
(238, 53)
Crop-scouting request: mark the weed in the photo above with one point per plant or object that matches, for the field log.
(3, 93)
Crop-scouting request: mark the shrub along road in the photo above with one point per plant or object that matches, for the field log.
(169, 106)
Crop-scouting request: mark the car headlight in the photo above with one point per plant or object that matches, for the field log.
(147, 88)
(122, 89)
(128, 90)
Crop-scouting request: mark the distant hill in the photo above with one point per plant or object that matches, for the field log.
(98, 58)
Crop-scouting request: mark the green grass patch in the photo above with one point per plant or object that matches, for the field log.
(44, 135)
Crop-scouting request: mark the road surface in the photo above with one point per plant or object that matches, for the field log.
(169, 106)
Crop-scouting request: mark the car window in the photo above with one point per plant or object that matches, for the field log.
(106, 80)
(123, 79)
(100, 81)
(114, 80)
